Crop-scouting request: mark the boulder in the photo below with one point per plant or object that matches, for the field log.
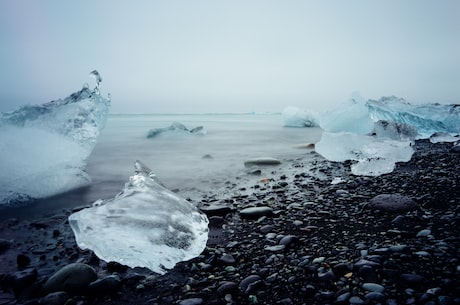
(73, 278)
(392, 203)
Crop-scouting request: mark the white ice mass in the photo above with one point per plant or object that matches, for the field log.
(296, 117)
(375, 156)
(427, 118)
(43, 148)
(146, 225)
(379, 133)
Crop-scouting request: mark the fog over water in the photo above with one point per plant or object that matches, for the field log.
(229, 56)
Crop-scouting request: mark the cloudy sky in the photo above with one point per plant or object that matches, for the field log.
(184, 56)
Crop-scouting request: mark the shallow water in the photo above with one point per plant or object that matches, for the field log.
(177, 157)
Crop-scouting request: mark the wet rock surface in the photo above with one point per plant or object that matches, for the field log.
(319, 243)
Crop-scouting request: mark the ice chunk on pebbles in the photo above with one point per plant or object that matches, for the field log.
(146, 225)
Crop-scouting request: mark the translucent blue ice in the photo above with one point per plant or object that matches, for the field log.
(43, 148)
(427, 118)
(146, 225)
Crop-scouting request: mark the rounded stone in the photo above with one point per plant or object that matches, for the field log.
(73, 278)
(412, 279)
(262, 161)
(375, 296)
(372, 287)
(392, 203)
(256, 212)
(105, 286)
(247, 284)
(55, 298)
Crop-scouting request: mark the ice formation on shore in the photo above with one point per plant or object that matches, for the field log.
(377, 134)
(146, 225)
(44, 147)
(351, 116)
(427, 118)
(177, 128)
(296, 117)
(375, 156)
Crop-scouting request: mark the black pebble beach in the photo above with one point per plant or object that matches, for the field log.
(306, 241)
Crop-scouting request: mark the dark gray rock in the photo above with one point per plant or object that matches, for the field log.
(22, 261)
(262, 161)
(392, 203)
(215, 210)
(343, 298)
(256, 212)
(4, 244)
(73, 278)
(368, 274)
(55, 298)
(227, 259)
(20, 280)
(288, 240)
(105, 286)
(372, 287)
(411, 279)
(249, 283)
(266, 229)
(375, 296)
(192, 301)
(227, 287)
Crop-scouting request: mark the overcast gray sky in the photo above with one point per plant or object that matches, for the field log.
(229, 56)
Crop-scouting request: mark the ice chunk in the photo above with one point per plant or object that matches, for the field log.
(443, 137)
(146, 225)
(374, 156)
(427, 118)
(97, 77)
(296, 117)
(394, 130)
(44, 147)
(351, 116)
(177, 128)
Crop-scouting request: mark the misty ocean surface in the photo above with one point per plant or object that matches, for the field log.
(178, 158)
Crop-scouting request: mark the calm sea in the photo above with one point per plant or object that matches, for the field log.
(178, 158)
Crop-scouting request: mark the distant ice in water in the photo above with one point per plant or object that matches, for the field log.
(296, 117)
(44, 147)
(146, 225)
(177, 128)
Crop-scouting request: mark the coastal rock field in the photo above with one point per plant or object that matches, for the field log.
(304, 234)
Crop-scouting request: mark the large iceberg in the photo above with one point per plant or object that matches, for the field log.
(296, 117)
(427, 118)
(44, 147)
(146, 225)
(379, 133)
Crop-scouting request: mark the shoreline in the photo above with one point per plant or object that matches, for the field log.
(321, 243)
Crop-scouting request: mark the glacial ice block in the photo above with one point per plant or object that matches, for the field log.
(43, 148)
(374, 156)
(427, 118)
(351, 116)
(145, 225)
